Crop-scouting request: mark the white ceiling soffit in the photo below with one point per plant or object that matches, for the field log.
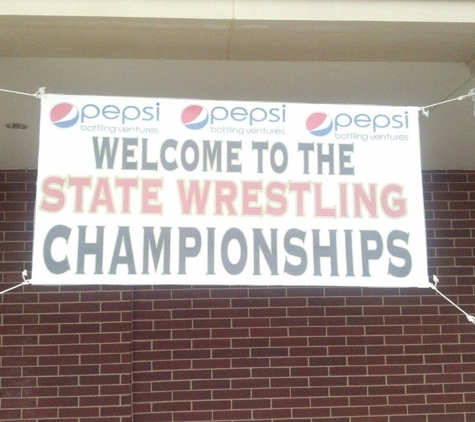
(140, 38)
(283, 30)
(299, 10)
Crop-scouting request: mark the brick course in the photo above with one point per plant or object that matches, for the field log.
(195, 353)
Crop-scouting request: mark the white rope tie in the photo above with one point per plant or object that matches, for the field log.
(471, 94)
(25, 281)
(471, 318)
(37, 94)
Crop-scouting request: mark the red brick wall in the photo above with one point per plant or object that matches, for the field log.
(241, 354)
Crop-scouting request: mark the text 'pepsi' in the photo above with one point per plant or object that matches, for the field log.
(379, 121)
(254, 115)
(126, 114)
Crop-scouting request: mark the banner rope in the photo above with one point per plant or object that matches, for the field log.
(471, 94)
(37, 94)
(25, 281)
(471, 318)
(425, 110)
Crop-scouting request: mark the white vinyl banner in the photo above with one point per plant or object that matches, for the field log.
(169, 191)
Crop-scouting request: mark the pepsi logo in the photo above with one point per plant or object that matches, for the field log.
(194, 117)
(64, 115)
(319, 124)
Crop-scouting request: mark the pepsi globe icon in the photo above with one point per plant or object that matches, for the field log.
(64, 115)
(319, 124)
(194, 117)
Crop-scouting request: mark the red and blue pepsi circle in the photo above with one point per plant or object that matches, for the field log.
(319, 124)
(194, 117)
(64, 115)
